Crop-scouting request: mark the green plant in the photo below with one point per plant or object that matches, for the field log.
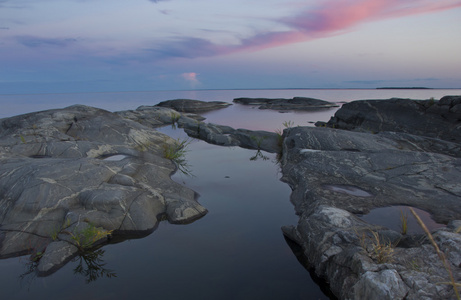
(288, 124)
(403, 222)
(174, 118)
(258, 140)
(279, 131)
(441, 255)
(54, 234)
(177, 153)
(85, 238)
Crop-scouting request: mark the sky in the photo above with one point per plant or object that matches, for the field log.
(55, 46)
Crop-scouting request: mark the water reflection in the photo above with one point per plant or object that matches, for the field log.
(390, 217)
(259, 155)
(91, 266)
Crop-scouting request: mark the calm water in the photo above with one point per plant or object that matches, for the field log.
(237, 251)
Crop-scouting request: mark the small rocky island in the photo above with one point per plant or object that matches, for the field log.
(72, 178)
(296, 103)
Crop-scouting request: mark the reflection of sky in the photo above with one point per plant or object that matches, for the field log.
(390, 217)
(113, 45)
(18, 104)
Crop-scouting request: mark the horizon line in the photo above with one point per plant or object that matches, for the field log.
(229, 89)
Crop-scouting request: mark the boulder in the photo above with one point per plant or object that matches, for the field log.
(68, 170)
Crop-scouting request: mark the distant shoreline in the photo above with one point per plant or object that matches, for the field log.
(404, 88)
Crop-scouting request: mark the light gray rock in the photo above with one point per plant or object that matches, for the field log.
(335, 175)
(386, 284)
(81, 166)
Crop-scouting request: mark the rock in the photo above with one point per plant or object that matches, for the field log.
(155, 116)
(336, 174)
(386, 284)
(296, 103)
(429, 118)
(56, 256)
(193, 106)
(228, 136)
(72, 168)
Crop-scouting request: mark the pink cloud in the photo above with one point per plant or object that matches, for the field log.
(337, 16)
(328, 18)
(191, 78)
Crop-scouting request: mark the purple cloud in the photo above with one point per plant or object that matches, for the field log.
(34, 42)
(328, 18)
(189, 48)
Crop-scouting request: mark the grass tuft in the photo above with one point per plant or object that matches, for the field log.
(403, 222)
(177, 154)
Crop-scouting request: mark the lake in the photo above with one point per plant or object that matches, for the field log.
(237, 251)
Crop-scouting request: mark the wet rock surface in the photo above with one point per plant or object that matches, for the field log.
(337, 175)
(296, 103)
(78, 171)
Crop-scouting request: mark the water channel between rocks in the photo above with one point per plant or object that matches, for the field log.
(237, 251)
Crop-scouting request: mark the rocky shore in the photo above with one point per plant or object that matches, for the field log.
(395, 152)
(72, 178)
(78, 172)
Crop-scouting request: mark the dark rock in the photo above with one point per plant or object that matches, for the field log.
(193, 106)
(57, 176)
(430, 118)
(228, 136)
(296, 103)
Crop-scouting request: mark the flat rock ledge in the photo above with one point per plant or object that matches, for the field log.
(193, 106)
(337, 175)
(193, 125)
(281, 104)
(67, 171)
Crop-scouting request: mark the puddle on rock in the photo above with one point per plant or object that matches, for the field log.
(390, 217)
(347, 189)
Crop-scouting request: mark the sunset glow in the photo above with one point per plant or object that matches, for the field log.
(60, 46)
